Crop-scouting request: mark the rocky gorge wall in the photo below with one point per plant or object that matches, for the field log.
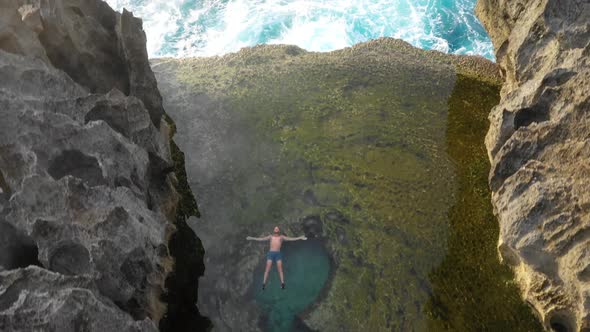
(93, 199)
(539, 150)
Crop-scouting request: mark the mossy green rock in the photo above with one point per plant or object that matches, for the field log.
(383, 144)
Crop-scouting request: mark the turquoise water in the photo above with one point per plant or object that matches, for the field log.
(306, 267)
(213, 27)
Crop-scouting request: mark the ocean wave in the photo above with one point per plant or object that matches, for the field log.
(181, 28)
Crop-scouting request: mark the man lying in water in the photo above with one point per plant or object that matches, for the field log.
(274, 255)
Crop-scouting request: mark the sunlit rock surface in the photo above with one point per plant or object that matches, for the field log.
(539, 149)
(88, 198)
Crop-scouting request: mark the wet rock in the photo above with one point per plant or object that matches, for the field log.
(312, 226)
(538, 147)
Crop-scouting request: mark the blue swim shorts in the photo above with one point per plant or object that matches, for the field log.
(274, 256)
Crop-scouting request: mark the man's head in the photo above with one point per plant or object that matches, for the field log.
(277, 230)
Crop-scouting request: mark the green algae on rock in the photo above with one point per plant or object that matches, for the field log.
(471, 290)
(356, 139)
(188, 253)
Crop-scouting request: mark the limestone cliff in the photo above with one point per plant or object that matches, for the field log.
(539, 149)
(90, 215)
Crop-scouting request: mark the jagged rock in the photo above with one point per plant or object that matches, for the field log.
(312, 226)
(142, 82)
(88, 200)
(81, 191)
(31, 17)
(34, 298)
(15, 36)
(99, 48)
(539, 149)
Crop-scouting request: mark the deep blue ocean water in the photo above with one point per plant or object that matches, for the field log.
(213, 27)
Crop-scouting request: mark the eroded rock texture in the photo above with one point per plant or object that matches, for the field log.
(87, 189)
(539, 147)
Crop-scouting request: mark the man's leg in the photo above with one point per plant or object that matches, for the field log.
(268, 265)
(280, 268)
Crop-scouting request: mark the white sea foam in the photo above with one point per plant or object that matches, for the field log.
(212, 27)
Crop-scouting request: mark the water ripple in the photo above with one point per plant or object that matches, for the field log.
(213, 27)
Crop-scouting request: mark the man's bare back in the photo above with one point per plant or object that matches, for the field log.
(274, 254)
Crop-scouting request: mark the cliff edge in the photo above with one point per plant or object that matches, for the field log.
(539, 149)
(91, 217)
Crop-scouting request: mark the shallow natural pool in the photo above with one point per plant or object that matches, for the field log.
(306, 268)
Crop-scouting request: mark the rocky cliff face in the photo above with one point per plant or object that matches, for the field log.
(539, 149)
(89, 207)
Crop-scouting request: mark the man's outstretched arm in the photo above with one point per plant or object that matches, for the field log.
(250, 238)
(286, 238)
